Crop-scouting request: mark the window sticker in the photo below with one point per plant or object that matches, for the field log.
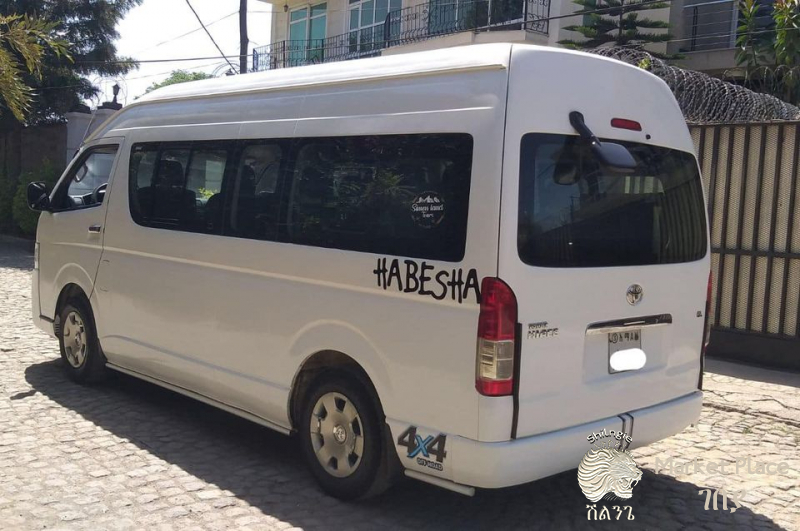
(427, 210)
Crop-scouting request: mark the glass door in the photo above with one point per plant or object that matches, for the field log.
(307, 34)
(366, 26)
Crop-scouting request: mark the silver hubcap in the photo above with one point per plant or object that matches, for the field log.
(336, 434)
(74, 339)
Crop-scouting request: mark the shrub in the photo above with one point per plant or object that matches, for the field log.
(24, 218)
(7, 189)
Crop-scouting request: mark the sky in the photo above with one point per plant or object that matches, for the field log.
(156, 28)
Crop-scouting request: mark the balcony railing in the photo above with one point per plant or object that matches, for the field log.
(403, 26)
(712, 25)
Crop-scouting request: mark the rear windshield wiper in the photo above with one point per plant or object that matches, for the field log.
(615, 157)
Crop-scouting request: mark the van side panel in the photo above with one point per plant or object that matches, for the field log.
(233, 319)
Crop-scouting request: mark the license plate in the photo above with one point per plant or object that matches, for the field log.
(622, 341)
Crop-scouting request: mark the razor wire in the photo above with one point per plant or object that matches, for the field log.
(703, 98)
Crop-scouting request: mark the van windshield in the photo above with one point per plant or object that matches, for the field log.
(574, 213)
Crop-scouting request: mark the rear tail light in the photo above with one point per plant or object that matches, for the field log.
(494, 373)
(623, 123)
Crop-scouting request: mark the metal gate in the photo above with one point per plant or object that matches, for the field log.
(750, 174)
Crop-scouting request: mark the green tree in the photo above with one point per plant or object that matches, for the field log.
(178, 76)
(616, 22)
(753, 44)
(770, 57)
(787, 48)
(90, 28)
(23, 42)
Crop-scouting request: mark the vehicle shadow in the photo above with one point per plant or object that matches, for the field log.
(265, 469)
(744, 371)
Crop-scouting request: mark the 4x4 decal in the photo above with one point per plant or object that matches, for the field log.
(427, 447)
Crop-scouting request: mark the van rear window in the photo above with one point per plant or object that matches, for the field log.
(574, 213)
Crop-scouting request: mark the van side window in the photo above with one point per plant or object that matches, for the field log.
(176, 186)
(87, 181)
(404, 195)
(255, 204)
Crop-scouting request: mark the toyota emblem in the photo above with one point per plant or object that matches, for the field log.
(634, 294)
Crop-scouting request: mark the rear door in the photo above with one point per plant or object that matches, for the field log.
(600, 261)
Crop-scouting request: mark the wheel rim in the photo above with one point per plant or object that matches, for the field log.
(74, 339)
(337, 434)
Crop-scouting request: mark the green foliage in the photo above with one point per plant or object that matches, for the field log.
(753, 45)
(23, 43)
(787, 47)
(616, 22)
(90, 29)
(770, 58)
(179, 76)
(26, 219)
(7, 189)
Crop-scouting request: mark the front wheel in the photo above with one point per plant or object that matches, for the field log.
(80, 350)
(342, 439)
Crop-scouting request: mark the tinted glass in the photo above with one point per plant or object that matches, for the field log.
(86, 179)
(178, 186)
(204, 180)
(404, 195)
(255, 204)
(574, 213)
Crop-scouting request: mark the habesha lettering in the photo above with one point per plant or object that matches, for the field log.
(413, 277)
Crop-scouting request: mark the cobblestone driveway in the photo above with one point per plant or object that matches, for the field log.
(127, 454)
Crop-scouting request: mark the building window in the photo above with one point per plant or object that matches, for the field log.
(366, 26)
(307, 34)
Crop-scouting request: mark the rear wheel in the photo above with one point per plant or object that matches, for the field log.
(80, 350)
(342, 438)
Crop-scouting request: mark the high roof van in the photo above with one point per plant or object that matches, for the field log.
(454, 264)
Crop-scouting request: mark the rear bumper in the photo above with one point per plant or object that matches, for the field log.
(503, 464)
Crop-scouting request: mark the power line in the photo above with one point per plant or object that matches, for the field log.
(185, 34)
(209, 35)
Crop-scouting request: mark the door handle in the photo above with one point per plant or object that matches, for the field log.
(95, 229)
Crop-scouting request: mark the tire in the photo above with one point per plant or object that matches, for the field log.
(81, 355)
(354, 476)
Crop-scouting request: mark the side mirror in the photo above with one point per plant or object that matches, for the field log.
(38, 197)
(566, 173)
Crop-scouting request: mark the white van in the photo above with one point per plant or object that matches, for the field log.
(422, 263)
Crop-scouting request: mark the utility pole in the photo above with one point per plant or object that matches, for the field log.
(243, 40)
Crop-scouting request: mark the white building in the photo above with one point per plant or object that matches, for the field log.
(335, 30)
(308, 31)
